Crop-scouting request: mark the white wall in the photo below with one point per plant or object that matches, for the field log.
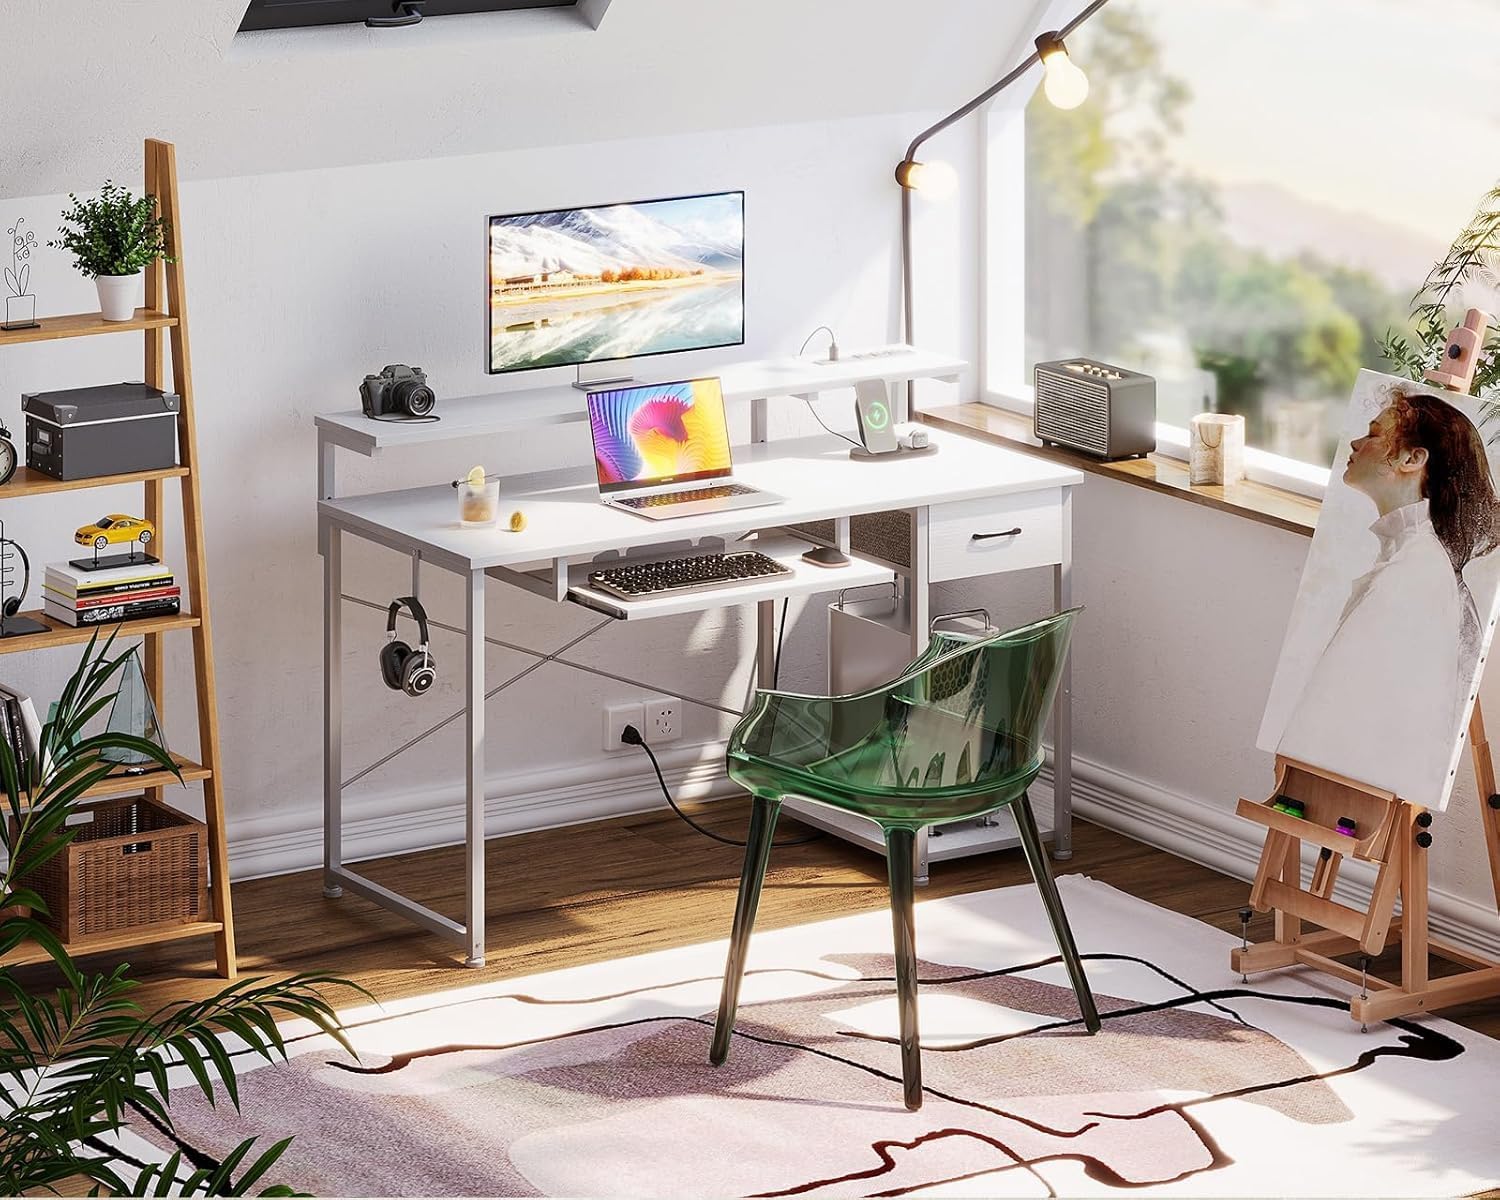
(305, 99)
(298, 284)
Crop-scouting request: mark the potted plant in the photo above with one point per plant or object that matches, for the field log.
(113, 238)
(20, 304)
(79, 1059)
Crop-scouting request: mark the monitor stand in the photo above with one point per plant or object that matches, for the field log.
(593, 385)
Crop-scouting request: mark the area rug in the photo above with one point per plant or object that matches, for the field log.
(595, 1081)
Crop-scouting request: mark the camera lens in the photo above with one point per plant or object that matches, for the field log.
(416, 398)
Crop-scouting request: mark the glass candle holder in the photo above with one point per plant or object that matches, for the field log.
(478, 506)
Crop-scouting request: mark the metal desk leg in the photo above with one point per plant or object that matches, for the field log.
(333, 708)
(765, 644)
(1062, 712)
(474, 782)
(920, 586)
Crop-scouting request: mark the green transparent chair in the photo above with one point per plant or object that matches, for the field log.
(956, 736)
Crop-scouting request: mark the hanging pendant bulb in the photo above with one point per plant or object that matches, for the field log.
(1066, 86)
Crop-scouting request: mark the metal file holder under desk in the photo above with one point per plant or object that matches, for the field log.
(972, 509)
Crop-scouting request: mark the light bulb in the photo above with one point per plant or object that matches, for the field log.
(1066, 86)
(936, 179)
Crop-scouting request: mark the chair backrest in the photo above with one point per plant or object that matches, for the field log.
(969, 710)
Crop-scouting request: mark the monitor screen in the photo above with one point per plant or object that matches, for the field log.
(659, 433)
(579, 285)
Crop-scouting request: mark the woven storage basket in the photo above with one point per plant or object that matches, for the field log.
(135, 863)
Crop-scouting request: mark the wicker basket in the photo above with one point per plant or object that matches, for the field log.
(135, 862)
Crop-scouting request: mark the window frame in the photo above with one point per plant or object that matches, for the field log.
(309, 14)
(1005, 378)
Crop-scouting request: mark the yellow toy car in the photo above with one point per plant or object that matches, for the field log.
(115, 529)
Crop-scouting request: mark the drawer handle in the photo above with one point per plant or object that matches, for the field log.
(984, 537)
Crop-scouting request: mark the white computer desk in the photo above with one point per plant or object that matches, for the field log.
(967, 488)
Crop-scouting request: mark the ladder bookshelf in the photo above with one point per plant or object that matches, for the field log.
(164, 325)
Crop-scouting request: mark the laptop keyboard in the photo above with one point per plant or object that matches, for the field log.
(692, 574)
(661, 499)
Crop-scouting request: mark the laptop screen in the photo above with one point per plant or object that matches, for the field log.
(659, 433)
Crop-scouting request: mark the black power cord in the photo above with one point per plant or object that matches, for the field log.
(631, 736)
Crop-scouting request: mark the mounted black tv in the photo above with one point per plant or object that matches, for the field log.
(579, 285)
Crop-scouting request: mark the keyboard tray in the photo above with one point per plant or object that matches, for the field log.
(805, 580)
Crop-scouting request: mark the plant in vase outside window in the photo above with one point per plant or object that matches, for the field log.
(20, 304)
(1472, 265)
(79, 1061)
(113, 238)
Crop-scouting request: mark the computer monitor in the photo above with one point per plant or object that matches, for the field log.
(580, 285)
(659, 433)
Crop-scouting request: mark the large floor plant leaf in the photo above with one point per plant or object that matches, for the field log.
(78, 1059)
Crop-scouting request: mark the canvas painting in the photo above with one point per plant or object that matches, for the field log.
(1397, 606)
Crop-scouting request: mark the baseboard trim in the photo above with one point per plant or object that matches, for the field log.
(1212, 835)
(399, 822)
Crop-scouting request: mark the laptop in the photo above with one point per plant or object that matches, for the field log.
(662, 450)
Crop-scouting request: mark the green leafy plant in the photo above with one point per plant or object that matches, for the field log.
(1474, 258)
(75, 1063)
(114, 233)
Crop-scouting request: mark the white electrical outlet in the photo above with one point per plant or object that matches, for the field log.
(616, 717)
(663, 716)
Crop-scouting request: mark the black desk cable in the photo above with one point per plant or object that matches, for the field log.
(631, 736)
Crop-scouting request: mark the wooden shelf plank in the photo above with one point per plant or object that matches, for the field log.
(50, 329)
(58, 634)
(119, 785)
(1169, 477)
(28, 953)
(26, 482)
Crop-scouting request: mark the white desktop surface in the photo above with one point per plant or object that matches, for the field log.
(815, 476)
(562, 404)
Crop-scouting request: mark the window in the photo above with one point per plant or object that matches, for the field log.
(1252, 194)
(290, 14)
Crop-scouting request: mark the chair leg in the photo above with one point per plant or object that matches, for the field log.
(763, 813)
(901, 858)
(1041, 871)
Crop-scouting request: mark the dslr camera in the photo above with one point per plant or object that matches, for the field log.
(398, 393)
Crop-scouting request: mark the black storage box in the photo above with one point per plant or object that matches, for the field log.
(83, 433)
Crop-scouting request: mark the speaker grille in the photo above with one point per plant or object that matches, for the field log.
(1074, 412)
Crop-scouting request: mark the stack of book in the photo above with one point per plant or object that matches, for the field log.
(20, 728)
(78, 597)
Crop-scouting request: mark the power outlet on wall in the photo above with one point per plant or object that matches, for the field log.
(663, 717)
(616, 717)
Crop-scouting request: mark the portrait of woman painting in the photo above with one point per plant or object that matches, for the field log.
(1397, 605)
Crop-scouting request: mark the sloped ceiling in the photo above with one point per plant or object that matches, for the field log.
(84, 80)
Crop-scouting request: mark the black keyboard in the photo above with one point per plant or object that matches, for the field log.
(702, 571)
(717, 492)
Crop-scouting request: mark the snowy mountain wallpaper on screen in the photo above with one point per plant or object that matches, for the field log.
(620, 281)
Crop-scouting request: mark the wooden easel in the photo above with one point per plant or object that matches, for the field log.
(1392, 833)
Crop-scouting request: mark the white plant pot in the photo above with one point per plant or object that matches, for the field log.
(119, 295)
(20, 312)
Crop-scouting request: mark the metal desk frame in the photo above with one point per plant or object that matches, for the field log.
(470, 932)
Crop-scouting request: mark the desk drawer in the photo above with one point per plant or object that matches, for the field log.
(958, 545)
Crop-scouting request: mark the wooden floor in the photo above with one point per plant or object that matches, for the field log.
(615, 888)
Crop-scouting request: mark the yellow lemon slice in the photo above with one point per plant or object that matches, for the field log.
(517, 521)
(476, 477)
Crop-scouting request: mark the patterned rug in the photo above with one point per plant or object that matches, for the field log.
(594, 1081)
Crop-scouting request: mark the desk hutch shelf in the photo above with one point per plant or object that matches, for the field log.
(162, 322)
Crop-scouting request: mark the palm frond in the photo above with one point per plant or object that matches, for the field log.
(76, 1062)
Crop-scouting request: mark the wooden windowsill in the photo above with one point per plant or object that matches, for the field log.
(1257, 501)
